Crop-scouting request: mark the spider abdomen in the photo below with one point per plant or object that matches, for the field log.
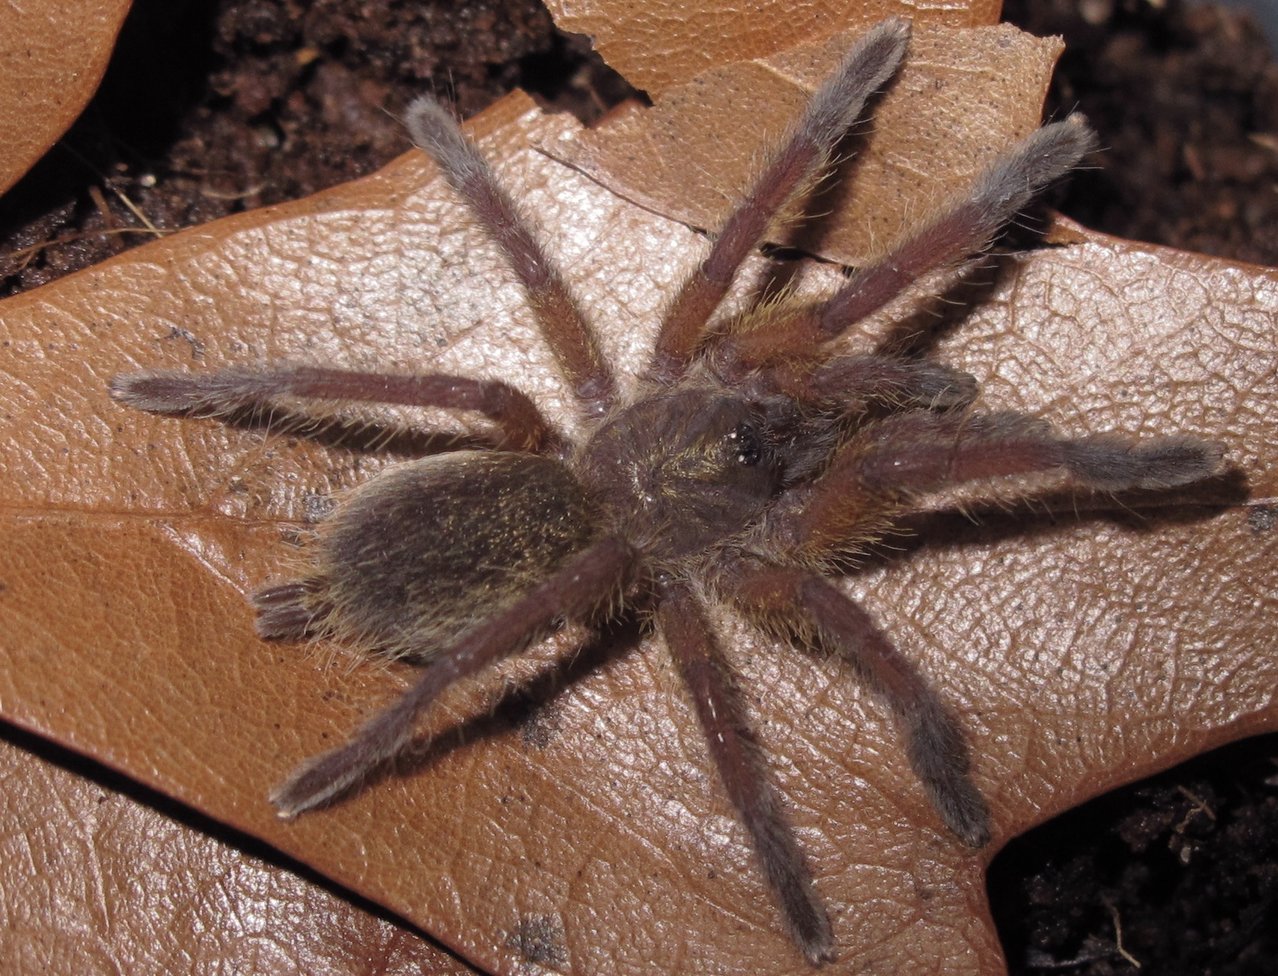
(417, 555)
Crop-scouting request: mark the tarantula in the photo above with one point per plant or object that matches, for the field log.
(752, 459)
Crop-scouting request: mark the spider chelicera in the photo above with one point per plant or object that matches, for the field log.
(749, 462)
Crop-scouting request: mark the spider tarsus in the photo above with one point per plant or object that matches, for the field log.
(434, 130)
(323, 778)
(864, 69)
(964, 811)
(331, 774)
(1112, 462)
(168, 392)
(220, 393)
(1049, 153)
(940, 759)
(1041, 158)
(801, 909)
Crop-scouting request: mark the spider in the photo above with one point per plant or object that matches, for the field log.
(750, 461)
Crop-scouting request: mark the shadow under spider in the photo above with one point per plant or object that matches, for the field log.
(942, 313)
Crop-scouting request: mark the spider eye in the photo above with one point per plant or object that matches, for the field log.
(746, 443)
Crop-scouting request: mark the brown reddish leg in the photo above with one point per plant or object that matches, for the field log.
(833, 108)
(854, 380)
(925, 452)
(583, 584)
(705, 674)
(565, 330)
(808, 603)
(228, 391)
(969, 226)
(910, 454)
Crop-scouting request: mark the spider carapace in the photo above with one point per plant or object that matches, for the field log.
(749, 462)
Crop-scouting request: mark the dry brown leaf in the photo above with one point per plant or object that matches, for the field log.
(595, 838)
(108, 885)
(663, 43)
(52, 56)
(962, 98)
(585, 840)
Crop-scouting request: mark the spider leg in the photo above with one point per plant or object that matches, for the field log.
(872, 478)
(875, 473)
(853, 380)
(583, 584)
(810, 605)
(833, 108)
(570, 338)
(705, 673)
(230, 391)
(967, 227)
(925, 452)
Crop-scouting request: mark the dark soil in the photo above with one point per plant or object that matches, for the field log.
(1186, 102)
(214, 108)
(209, 109)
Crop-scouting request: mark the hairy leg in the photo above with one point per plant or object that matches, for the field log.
(705, 674)
(227, 392)
(566, 331)
(969, 226)
(924, 452)
(833, 108)
(585, 583)
(877, 471)
(855, 380)
(807, 603)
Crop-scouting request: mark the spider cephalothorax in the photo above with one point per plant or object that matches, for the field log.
(747, 462)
